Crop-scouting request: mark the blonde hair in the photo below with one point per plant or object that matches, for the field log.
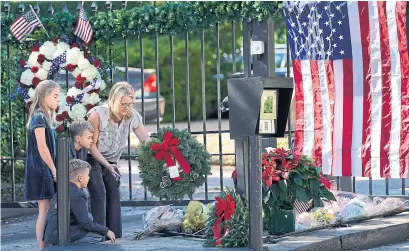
(43, 89)
(119, 90)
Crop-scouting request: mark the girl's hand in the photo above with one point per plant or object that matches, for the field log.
(54, 173)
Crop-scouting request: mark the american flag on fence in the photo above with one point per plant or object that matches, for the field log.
(351, 79)
(83, 28)
(24, 25)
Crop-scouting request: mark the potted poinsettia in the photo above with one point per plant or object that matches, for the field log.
(288, 177)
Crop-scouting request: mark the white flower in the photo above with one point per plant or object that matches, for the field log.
(83, 63)
(32, 59)
(103, 85)
(27, 77)
(77, 112)
(31, 93)
(73, 92)
(76, 72)
(62, 47)
(47, 65)
(92, 99)
(41, 74)
(90, 73)
(48, 49)
(74, 55)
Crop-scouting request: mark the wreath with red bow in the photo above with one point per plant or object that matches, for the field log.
(173, 164)
(228, 221)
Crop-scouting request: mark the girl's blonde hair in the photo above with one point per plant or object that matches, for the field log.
(119, 90)
(43, 89)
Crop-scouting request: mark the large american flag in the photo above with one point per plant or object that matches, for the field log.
(351, 78)
(24, 25)
(83, 28)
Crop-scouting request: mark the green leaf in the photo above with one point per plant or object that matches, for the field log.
(318, 202)
(302, 195)
(283, 185)
(318, 171)
(327, 194)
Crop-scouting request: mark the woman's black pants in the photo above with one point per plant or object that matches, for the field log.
(105, 199)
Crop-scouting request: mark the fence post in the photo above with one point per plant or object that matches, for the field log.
(63, 201)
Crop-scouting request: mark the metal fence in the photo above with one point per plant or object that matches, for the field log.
(9, 161)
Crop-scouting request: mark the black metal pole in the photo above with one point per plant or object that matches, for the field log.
(255, 194)
(63, 195)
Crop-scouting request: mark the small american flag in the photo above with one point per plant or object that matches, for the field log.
(351, 79)
(24, 25)
(83, 28)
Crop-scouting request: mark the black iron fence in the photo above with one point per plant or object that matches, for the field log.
(179, 78)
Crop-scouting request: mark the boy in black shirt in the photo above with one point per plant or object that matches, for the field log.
(83, 229)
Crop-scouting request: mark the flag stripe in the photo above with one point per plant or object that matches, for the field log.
(318, 113)
(404, 63)
(385, 91)
(308, 108)
(347, 113)
(395, 89)
(376, 85)
(329, 67)
(357, 116)
(326, 118)
(299, 97)
(367, 96)
(338, 118)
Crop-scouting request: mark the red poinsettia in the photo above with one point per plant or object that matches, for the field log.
(40, 59)
(325, 181)
(70, 67)
(35, 48)
(22, 62)
(34, 69)
(269, 175)
(35, 82)
(224, 212)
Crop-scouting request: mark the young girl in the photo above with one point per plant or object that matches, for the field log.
(40, 171)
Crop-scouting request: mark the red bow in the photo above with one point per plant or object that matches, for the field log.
(169, 146)
(224, 212)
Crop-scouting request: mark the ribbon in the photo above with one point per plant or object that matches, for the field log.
(166, 149)
(224, 212)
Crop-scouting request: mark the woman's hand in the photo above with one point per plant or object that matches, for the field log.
(54, 173)
(113, 168)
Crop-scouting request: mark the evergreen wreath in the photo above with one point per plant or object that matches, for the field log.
(170, 147)
(228, 222)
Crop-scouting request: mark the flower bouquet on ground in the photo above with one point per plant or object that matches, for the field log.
(288, 177)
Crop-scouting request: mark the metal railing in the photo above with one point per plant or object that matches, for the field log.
(9, 161)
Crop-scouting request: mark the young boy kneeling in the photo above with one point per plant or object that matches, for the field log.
(83, 229)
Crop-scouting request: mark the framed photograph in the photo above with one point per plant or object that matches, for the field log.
(268, 112)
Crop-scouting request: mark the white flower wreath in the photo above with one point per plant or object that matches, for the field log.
(46, 60)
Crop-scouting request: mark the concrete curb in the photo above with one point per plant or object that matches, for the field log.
(393, 231)
(9, 213)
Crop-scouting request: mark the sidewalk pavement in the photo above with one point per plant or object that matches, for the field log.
(18, 234)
